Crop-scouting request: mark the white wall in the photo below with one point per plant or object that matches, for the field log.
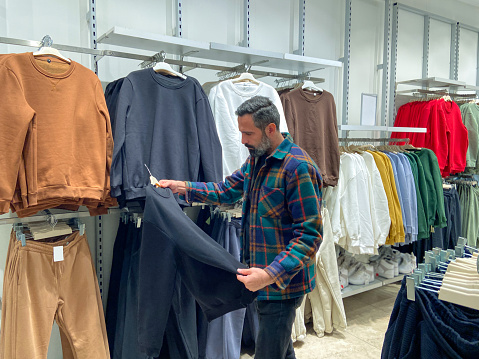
(468, 43)
(273, 27)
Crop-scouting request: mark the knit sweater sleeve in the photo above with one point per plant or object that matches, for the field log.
(118, 159)
(211, 166)
(288, 114)
(283, 127)
(103, 109)
(16, 118)
(472, 128)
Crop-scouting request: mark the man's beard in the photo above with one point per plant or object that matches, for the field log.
(263, 147)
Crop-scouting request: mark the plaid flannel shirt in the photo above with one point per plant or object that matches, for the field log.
(284, 211)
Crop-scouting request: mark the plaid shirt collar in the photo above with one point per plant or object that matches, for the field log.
(284, 147)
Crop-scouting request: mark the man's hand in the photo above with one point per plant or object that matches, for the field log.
(175, 186)
(254, 278)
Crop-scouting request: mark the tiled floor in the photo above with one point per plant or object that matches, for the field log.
(367, 315)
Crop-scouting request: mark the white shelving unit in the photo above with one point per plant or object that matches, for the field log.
(378, 282)
(120, 36)
(432, 82)
(436, 83)
(131, 38)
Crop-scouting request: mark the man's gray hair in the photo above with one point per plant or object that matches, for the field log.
(262, 110)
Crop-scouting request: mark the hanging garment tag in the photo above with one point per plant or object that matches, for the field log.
(58, 254)
(153, 180)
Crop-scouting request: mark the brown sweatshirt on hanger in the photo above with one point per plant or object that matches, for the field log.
(55, 135)
(311, 119)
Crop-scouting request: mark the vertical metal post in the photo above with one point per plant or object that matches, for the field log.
(477, 67)
(458, 38)
(98, 221)
(454, 58)
(425, 46)
(179, 16)
(386, 67)
(93, 32)
(99, 251)
(302, 22)
(246, 9)
(346, 60)
(394, 46)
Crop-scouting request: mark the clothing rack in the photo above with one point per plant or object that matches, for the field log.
(463, 179)
(369, 140)
(47, 217)
(426, 277)
(434, 94)
(227, 213)
(146, 60)
(286, 82)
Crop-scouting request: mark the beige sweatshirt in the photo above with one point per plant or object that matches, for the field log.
(55, 135)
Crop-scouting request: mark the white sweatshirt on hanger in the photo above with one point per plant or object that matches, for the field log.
(224, 99)
(352, 205)
(378, 201)
(365, 243)
(332, 200)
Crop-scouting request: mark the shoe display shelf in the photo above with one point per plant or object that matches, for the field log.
(352, 289)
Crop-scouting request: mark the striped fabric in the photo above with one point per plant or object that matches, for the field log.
(283, 204)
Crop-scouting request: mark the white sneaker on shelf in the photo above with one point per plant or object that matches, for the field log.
(343, 277)
(413, 260)
(364, 274)
(385, 268)
(406, 264)
(396, 259)
(353, 268)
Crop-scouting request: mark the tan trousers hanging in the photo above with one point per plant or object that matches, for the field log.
(37, 290)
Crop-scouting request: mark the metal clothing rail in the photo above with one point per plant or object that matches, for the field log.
(101, 53)
(39, 218)
(368, 140)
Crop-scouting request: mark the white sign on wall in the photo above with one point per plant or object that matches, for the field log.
(369, 104)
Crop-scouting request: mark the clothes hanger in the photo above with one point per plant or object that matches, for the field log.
(310, 86)
(366, 147)
(163, 67)
(47, 50)
(246, 77)
(356, 149)
(408, 146)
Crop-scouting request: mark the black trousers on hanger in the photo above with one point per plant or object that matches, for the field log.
(174, 246)
(111, 315)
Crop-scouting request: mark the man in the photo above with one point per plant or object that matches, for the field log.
(281, 227)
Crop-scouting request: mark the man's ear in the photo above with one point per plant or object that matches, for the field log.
(271, 129)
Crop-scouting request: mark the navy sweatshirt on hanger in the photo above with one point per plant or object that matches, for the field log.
(166, 123)
(112, 92)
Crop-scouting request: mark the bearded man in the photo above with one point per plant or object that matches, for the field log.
(281, 221)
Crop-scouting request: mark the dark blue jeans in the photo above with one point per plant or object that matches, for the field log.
(276, 319)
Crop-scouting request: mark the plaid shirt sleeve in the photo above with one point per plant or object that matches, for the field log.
(304, 198)
(228, 191)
